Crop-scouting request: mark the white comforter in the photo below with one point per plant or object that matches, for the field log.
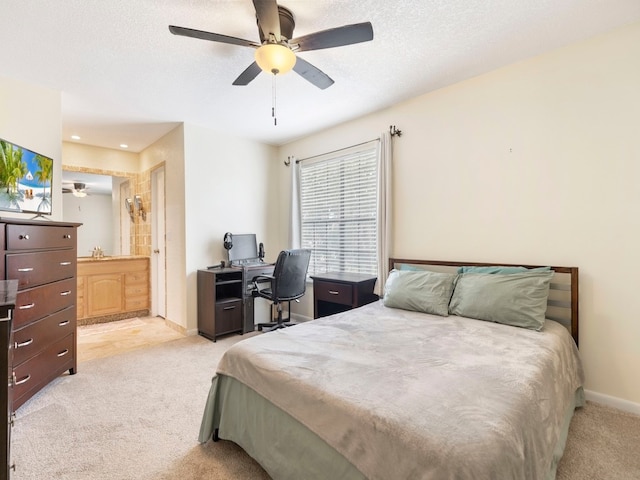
(407, 395)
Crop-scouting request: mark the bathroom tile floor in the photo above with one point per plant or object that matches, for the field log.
(106, 339)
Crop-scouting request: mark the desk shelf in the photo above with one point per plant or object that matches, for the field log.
(219, 302)
(225, 303)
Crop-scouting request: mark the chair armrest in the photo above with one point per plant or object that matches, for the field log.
(262, 279)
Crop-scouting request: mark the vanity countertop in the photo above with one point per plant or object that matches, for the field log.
(107, 258)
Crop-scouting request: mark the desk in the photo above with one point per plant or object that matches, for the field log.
(340, 291)
(225, 304)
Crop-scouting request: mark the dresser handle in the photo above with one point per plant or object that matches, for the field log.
(64, 352)
(26, 269)
(23, 344)
(64, 323)
(26, 307)
(20, 382)
(66, 235)
(229, 308)
(24, 236)
(64, 264)
(333, 292)
(65, 293)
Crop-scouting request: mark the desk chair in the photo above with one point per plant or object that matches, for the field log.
(288, 282)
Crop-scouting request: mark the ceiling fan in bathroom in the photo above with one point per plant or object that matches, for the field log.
(78, 189)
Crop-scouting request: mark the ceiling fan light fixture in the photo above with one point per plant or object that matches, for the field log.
(79, 193)
(275, 58)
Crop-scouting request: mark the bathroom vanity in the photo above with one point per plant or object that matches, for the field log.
(112, 288)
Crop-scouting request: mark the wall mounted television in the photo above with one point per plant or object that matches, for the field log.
(25, 180)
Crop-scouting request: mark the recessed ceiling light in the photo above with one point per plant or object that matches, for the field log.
(75, 137)
(124, 145)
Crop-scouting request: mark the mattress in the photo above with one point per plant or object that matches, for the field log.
(387, 393)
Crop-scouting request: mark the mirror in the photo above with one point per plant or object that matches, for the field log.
(100, 211)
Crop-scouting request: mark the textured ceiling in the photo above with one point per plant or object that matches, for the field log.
(125, 79)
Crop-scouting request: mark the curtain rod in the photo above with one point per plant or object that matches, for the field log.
(338, 150)
(393, 131)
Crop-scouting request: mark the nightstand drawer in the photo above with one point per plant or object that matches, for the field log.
(333, 292)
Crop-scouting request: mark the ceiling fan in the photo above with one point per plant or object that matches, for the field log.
(276, 52)
(79, 189)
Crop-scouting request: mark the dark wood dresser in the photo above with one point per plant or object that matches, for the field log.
(41, 255)
(8, 292)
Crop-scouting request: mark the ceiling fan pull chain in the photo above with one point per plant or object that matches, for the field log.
(273, 100)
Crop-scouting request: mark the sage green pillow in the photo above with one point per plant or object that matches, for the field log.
(501, 270)
(518, 299)
(419, 291)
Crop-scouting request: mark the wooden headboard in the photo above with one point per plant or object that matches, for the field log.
(562, 305)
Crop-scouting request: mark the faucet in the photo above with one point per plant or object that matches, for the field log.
(97, 252)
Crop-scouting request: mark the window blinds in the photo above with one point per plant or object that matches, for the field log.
(338, 198)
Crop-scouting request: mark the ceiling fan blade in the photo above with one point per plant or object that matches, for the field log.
(268, 17)
(248, 75)
(335, 37)
(312, 74)
(214, 37)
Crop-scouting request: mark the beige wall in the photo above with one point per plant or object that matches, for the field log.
(169, 150)
(534, 163)
(229, 187)
(30, 116)
(82, 157)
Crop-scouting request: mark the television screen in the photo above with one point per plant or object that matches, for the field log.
(244, 247)
(25, 180)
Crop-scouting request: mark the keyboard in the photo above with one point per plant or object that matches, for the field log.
(248, 263)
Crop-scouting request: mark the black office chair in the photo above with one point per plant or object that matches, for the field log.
(288, 282)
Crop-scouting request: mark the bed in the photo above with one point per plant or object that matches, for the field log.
(394, 390)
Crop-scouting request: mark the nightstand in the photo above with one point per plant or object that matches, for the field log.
(337, 292)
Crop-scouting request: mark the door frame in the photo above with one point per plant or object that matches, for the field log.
(158, 242)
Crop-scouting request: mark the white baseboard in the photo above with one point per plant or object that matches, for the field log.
(615, 402)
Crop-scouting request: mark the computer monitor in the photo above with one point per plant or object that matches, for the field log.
(244, 247)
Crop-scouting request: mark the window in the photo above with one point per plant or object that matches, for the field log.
(338, 203)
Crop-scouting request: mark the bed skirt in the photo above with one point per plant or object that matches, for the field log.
(285, 448)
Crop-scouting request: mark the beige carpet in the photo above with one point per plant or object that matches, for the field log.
(136, 416)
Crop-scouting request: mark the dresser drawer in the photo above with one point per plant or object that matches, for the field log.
(31, 339)
(333, 292)
(131, 304)
(39, 302)
(228, 316)
(135, 290)
(31, 269)
(137, 278)
(36, 237)
(46, 365)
